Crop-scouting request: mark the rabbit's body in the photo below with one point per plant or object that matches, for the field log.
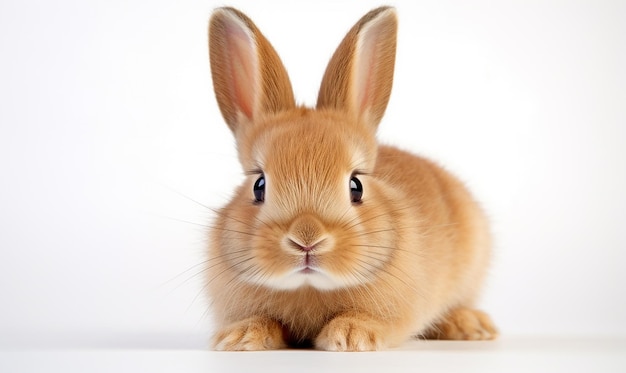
(332, 238)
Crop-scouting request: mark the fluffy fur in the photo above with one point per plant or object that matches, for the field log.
(308, 265)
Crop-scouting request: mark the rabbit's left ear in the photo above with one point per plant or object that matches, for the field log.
(359, 76)
(249, 78)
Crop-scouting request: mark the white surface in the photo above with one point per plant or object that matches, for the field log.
(507, 355)
(107, 114)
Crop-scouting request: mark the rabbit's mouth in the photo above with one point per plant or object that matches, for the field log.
(309, 265)
(307, 271)
(308, 275)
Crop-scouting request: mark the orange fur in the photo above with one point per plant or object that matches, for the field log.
(406, 261)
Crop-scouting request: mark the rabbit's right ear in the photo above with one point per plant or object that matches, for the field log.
(359, 76)
(249, 78)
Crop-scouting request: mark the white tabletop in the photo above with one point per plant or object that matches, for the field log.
(508, 354)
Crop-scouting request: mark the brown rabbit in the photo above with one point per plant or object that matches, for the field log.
(333, 239)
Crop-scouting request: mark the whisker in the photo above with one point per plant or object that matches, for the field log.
(217, 211)
(239, 273)
(206, 285)
(377, 231)
(232, 231)
(366, 291)
(344, 214)
(235, 255)
(369, 289)
(203, 288)
(413, 252)
(393, 211)
(229, 253)
(400, 228)
(226, 215)
(204, 262)
(376, 246)
(349, 226)
(185, 221)
(390, 264)
(187, 197)
(262, 222)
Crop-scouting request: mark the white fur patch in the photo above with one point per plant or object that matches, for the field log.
(316, 278)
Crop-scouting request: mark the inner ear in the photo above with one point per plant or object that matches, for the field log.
(249, 78)
(373, 67)
(243, 67)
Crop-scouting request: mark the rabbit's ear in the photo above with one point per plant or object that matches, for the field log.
(359, 76)
(249, 78)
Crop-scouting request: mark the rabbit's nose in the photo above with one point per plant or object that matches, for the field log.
(306, 233)
(298, 246)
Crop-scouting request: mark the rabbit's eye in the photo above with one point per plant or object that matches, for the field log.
(259, 189)
(356, 190)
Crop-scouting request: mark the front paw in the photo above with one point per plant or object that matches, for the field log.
(252, 334)
(350, 333)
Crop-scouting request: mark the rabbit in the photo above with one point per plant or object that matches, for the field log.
(334, 241)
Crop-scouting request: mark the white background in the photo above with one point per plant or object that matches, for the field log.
(108, 125)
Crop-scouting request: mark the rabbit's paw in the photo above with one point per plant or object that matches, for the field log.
(253, 334)
(464, 324)
(349, 333)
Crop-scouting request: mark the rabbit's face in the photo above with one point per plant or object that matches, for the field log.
(311, 191)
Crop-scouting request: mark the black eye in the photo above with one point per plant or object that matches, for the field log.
(259, 189)
(356, 190)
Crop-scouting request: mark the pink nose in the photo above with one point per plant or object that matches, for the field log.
(305, 233)
(300, 247)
